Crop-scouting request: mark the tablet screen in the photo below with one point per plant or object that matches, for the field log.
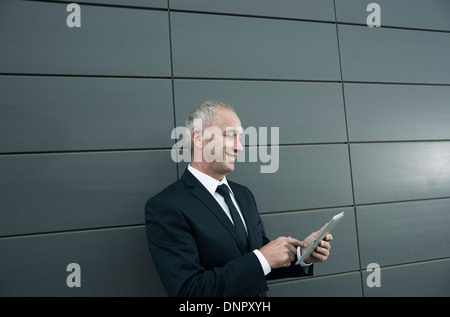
(333, 222)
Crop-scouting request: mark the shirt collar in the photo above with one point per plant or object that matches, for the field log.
(207, 181)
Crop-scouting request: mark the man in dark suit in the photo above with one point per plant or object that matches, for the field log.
(204, 232)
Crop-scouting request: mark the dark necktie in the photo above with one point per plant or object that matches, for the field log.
(225, 192)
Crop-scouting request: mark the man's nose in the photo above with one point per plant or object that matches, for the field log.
(238, 147)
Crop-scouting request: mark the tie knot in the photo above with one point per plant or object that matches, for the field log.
(223, 190)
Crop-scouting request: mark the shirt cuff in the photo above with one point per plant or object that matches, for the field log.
(303, 265)
(299, 255)
(266, 267)
(264, 264)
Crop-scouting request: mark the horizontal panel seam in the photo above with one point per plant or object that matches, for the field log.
(72, 231)
(243, 15)
(281, 145)
(106, 5)
(249, 79)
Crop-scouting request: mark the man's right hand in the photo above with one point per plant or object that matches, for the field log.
(281, 251)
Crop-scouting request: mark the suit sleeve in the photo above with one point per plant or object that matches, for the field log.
(175, 254)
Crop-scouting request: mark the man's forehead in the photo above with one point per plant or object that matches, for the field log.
(225, 118)
(227, 129)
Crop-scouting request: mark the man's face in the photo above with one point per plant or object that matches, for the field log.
(221, 142)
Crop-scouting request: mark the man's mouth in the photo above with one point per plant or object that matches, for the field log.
(231, 156)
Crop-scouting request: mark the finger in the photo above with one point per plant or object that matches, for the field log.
(322, 251)
(321, 254)
(318, 257)
(291, 248)
(295, 242)
(291, 257)
(318, 231)
(325, 244)
(328, 237)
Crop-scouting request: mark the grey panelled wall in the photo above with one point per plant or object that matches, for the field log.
(363, 115)
(113, 113)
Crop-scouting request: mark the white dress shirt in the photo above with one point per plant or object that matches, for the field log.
(211, 185)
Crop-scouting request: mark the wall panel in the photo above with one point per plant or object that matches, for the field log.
(300, 224)
(73, 113)
(430, 14)
(342, 285)
(113, 262)
(408, 232)
(215, 46)
(53, 192)
(294, 9)
(397, 112)
(400, 171)
(425, 279)
(303, 112)
(321, 180)
(392, 55)
(37, 40)
(308, 177)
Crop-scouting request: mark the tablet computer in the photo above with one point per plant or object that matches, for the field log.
(333, 222)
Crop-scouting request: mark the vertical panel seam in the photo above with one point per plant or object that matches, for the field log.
(171, 78)
(348, 145)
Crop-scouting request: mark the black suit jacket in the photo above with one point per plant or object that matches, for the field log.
(195, 247)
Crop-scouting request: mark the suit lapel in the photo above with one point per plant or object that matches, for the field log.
(210, 202)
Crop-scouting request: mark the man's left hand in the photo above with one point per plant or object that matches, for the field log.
(322, 251)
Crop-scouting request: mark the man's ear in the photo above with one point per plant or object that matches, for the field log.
(196, 138)
(197, 145)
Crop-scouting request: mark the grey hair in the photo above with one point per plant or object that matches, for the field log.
(204, 113)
